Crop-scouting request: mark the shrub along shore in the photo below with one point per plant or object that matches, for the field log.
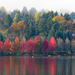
(37, 47)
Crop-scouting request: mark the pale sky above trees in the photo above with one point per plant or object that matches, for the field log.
(55, 5)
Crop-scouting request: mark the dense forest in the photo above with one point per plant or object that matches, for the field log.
(28, 24)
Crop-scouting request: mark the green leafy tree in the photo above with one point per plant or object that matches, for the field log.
(72, 15)
(30, 29)
(67, 16)
(60, 44)
(1, 37)
(1, 24)
(7, 21)
(33, 11)
(67, 45)
(2, 14)
(42, 27)
(13, 13)
(50, 34)
(73, 45)
(24, 10)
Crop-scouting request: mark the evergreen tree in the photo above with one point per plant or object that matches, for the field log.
(7, 21)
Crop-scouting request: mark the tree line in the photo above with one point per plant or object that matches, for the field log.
(28, 24)
(37, 46)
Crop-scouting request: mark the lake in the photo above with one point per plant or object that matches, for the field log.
(25, 65)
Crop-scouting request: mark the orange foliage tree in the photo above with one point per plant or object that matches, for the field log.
(17, 27)
(68, 25)
(15, 47)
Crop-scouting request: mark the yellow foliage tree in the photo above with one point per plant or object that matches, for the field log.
(36, 16)
(17, 17)
(59, 19)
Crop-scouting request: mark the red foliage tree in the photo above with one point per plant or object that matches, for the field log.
(1, 46)
(38, 44)
(45, 46)
(37, 39)
(7, 46)
(30, 45)
(52, 44)
(22, 46)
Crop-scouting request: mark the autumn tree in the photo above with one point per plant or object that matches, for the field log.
(21, 25)
(14, 27)
(13, 13)
(60, 20)
(23, 46)
(52, 44)
(36, 16)
(7, 46)
(69, 26)
(38, 44)
(30, 46)
(18, 27)
(17, 17)
(45, 46)
(15, 47)
(1, 46)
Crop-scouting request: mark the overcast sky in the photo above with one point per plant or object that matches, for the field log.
(55, 5)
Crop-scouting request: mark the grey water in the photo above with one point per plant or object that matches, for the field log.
(25, 65)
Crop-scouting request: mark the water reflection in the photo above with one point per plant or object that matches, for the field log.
(37, 66)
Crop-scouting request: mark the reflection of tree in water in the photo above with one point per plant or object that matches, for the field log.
(7, 62)
(45, 66)
(38, 64)
(64, 66)
(1, 66)
(52, 66)
(70, 67)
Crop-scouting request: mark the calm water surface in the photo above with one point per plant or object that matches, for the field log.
(25, 65)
